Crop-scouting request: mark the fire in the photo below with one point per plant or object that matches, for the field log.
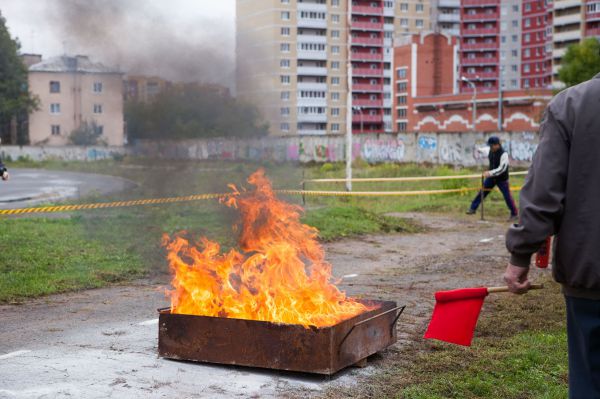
(279, 275)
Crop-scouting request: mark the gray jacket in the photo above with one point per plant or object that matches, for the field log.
(562, 193)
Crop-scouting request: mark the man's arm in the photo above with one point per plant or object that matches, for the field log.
(542, 197)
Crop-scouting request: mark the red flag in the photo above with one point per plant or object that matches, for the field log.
(455, 315)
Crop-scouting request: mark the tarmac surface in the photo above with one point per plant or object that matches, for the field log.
(30, 187)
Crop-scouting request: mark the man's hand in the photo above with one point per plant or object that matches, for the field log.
(486, 174)
(516, 278)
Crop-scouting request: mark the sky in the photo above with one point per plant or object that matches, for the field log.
(197, 27)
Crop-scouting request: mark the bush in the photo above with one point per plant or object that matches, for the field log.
(87, 134)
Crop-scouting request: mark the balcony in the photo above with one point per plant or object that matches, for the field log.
(480, 32)
(319, 39)
(480, 61)
(567, 36)
(366, 57)
(451, 18)
(312, 132)
(312, 71)
(478, 46)
(360, 25)
(563, 4)
(367, 103)
(312, 118)
(314, 86)
(367, 41)
(367, 10)
(367, 87)
(567, 19)
(559, 52)
(315, 23)
(311, 102)
(389, 11)
(481, 75)
(481, 16)
(366, 118)
(592, 16)
(312, 7)
(312, 55)
(593, 32)
(449, 4)
(367, 72)
(480, 3)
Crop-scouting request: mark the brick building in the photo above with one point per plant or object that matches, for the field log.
(427, 77)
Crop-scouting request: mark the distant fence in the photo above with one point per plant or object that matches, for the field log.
(438, 148)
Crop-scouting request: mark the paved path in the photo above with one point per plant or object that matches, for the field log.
(103, 343)
(28, 187)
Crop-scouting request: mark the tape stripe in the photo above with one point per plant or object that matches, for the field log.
(405, 179)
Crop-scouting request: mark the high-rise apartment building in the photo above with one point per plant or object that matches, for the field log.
(304, 63)
(413, 16)
(445, 16)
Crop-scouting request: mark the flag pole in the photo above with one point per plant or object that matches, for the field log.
(494, 290)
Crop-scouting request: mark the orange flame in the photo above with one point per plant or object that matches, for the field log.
(280, 276)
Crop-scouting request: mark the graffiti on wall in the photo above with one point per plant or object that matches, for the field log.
(390, 150)
(427, 143)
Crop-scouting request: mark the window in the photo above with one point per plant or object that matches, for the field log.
(516, 7)
(98, 87)
(99, 129)
(285, 95)
(419, 7)
(285, 111)
(404, 7)
(285, 15)
(285, 79)
(335, 111)
(335, 65)
(97, 108)
(335, 80)
(55, 109)
(515, 53)
(401, 112)
(515, 23)
(335, 96)
(515, 38)
(284, 63)
(285, 47)
(402, 99)
(285, 1)
(335, 3)
(54, 87)
(527, 53)
(527, 38)
(285, 31)
(403, 22)
(402, 87)
(335, 127)
(55, 130)
(402, 126)
(335, 49)
(419, 23)
(401, 73)
(514, 68)
(335, 34)
(335, 18)
(285, 127)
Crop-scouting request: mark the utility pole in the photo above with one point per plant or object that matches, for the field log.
(474, 87)
(349, 113)
(500, 105)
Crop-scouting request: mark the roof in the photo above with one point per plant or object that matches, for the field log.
(77, 64)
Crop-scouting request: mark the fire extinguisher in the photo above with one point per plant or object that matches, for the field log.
(542, 258)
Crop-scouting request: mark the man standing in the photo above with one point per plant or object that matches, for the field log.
(561, 197)
(496, 176)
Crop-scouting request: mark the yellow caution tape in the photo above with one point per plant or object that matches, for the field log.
(405, 179)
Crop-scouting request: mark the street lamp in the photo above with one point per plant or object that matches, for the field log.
(474, 87)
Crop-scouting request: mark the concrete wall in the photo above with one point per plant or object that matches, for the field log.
(439, 148)
(67, 153)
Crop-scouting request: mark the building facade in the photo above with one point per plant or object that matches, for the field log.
(316, 67)
(74, 91)
(429, 97)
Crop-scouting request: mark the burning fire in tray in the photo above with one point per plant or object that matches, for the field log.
(279, 275)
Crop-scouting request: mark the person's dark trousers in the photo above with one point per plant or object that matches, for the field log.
(583, 330)
(504, 186)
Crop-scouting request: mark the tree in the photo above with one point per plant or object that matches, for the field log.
(581, 62)
(87, 134)
(193, 111)
(15, 100)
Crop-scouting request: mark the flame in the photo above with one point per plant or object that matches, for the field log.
(280, 275)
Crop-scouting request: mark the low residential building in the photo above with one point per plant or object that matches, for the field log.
(74, 91)
(430, 97)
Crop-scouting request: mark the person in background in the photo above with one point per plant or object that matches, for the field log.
(497, 175)
(561, 197)
(3, 171)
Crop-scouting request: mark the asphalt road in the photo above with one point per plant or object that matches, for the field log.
(28, 187)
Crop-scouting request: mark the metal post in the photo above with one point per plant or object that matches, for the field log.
(303, 187)
(474, 107)
(349, 103)
(500, 106)
(482, 196)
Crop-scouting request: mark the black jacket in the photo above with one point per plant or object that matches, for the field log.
(562, 193)
(495, 159)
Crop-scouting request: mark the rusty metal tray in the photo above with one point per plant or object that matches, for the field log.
(278, 346)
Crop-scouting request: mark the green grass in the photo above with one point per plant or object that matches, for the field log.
(96, 248)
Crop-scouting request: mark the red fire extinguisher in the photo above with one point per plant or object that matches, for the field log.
(542, 258)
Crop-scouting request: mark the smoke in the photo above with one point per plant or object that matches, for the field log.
(137, 37)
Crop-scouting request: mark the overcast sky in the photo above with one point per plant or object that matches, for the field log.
(144, 34)
(27, 20)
